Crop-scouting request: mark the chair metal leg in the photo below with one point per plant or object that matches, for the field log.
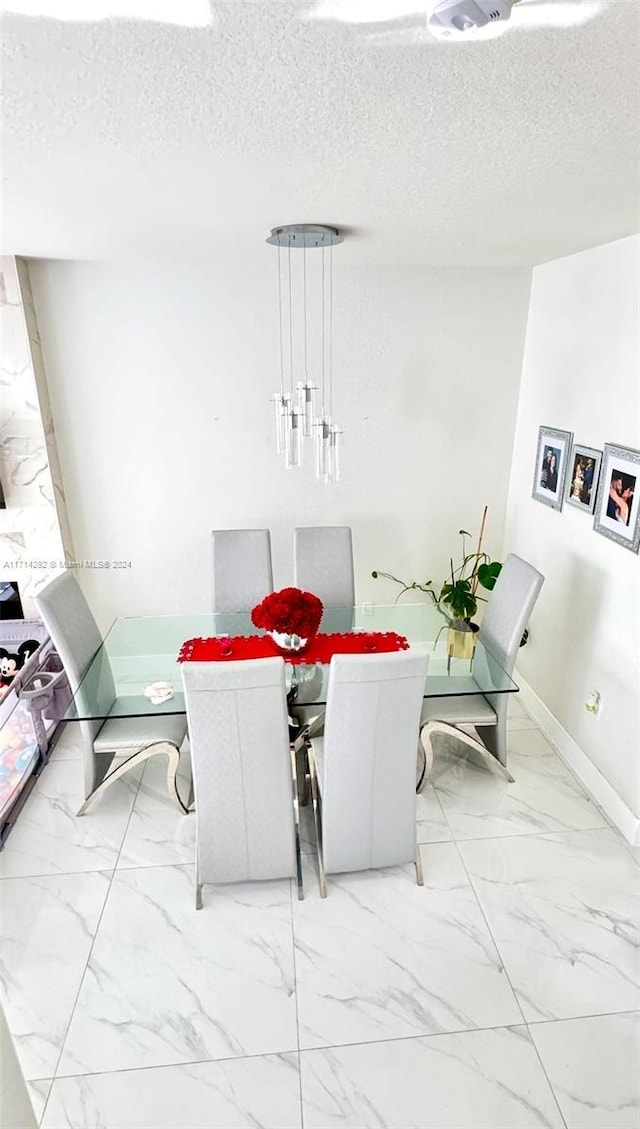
(301, 769)
(161, 747)
(425, 763)
(315, 725)
(317, 818)
(312, 728)
(431, 727)
(419, 870)
(495, 736)
(198, 881)
(296, 817)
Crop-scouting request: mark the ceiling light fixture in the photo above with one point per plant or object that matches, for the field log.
(455, 21)
(298, 415)
(459, 17)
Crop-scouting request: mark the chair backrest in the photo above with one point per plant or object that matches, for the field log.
(369, 759)
(76, 638)
(239, 737)
(323, 563)
(241, 570)
(509, 608)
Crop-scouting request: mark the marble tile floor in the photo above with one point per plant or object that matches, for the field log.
(502, 994)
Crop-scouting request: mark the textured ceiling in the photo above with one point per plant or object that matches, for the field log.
(134, 137)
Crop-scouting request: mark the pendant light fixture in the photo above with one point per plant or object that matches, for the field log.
(300, 414)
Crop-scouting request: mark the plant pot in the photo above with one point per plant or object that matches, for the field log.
(461, 640)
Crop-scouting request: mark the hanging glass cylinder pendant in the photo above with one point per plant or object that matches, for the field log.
(294, 437)
(334, 454)
(323, 450)
(305, 406)
(282, 409)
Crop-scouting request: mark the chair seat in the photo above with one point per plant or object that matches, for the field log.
(137, 732)
(470, 709)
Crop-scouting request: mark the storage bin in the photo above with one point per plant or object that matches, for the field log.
(19, 754)
(30, 709)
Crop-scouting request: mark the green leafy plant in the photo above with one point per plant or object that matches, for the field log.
(458, 596)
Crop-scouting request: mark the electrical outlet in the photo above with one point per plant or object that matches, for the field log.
(593, 704)
(367, 609)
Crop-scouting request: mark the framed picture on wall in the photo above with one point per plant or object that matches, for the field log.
(582, 479)
(552, 461)
(617, 512)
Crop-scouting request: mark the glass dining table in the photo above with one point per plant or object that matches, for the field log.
(138, 651)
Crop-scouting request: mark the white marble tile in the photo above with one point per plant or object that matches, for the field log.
(432, 825)
(563, 910)
(518, 722)
(594, 1067)
(48, 926)
(633, 849)
(49, 838)
(527, 740)
(167, 984)
(159, 834)
(68, 746)
(261, 1091)
(516, 708)
(480, 803)
(470, 1080)
(382, 957)
(38, 1093)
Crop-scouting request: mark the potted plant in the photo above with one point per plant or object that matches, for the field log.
(457, 600)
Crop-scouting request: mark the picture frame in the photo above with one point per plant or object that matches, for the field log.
(617, 512)
(552, 460)
(581, 487)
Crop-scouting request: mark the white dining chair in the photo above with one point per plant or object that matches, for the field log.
(241, 569)
(508, 612)
(244, 773)
(323, 563)
(363, 771)
(77, 639)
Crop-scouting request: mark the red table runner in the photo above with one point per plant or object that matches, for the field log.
(318, 650)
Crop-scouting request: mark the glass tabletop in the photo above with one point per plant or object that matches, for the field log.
(138, 651)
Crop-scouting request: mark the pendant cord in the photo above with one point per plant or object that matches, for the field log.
(304, 294)
(331, 333)
(280, 323)
(323, 342)
(290, 326)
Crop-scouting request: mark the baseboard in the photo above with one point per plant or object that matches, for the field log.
(596, 784)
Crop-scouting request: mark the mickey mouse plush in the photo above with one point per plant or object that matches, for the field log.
(11, 664)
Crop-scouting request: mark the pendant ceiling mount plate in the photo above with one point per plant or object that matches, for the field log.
(304, 235)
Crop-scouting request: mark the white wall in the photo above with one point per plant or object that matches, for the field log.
(160, 379)
(580, 374)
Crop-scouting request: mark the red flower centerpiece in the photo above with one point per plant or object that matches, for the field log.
(291, 616)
